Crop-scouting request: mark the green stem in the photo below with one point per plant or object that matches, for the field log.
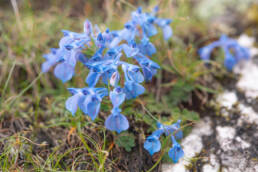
(8, 79)
(25, 89)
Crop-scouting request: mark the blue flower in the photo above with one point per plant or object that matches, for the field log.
(241, 53)
(104, 69)
(51, 59)
(165, 26)
(149, 29)
(87, 27)
(148, 66)
(74, 40)
(230, 61)
(132, 73)
(130, 49)
(66, 55)
(116, 121)
(104, 64)
(117, 97)
(65, 60)
(174, 129)
(205, 52)
(232, 50)
(133, 89)
(87, 99)
(146, 47)
(176, 152)
(152, 144)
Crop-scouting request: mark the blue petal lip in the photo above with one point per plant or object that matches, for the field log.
(71, 103)
(152, 144)
(93, 108)
(117, 122)
(133, 89)
(92, 78)
(117, 98)
(64, 71)
(176, 152)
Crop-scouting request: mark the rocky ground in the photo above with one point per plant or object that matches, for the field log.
(227, 138)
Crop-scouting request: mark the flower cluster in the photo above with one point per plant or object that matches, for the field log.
(153, 145)
(109, 46)
(232, 50)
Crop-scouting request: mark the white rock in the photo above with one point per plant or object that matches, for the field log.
(225, 137)
(179, 167)
(247, 114)
(246, 41)
(227, 99)
(203, 127)
(209, 168)
(249, 78)
(213, 161)
(230, 170)
(192, 145)
(243, 144)
(225, 132)
(248, 69)
(213, 166)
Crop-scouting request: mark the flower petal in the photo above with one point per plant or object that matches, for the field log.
(152, 144)
(92, 78)
(176, 152)
(147, 73)
(83, 104)
(87, 27)
(130, 51)
(47, 65)
(117, 122)
(117, 97)
(149, 29)
(93, 108)
(229, 61)
(133, 89)
(64, 71)
(71, 103)
(167, 32)
(114, 78)
(136, 76)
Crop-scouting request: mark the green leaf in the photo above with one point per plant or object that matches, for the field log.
(208, 90)
(126, 140)
(180, 92)
(190, 115)
(184, 115)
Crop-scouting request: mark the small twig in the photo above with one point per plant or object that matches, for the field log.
(148, 112)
